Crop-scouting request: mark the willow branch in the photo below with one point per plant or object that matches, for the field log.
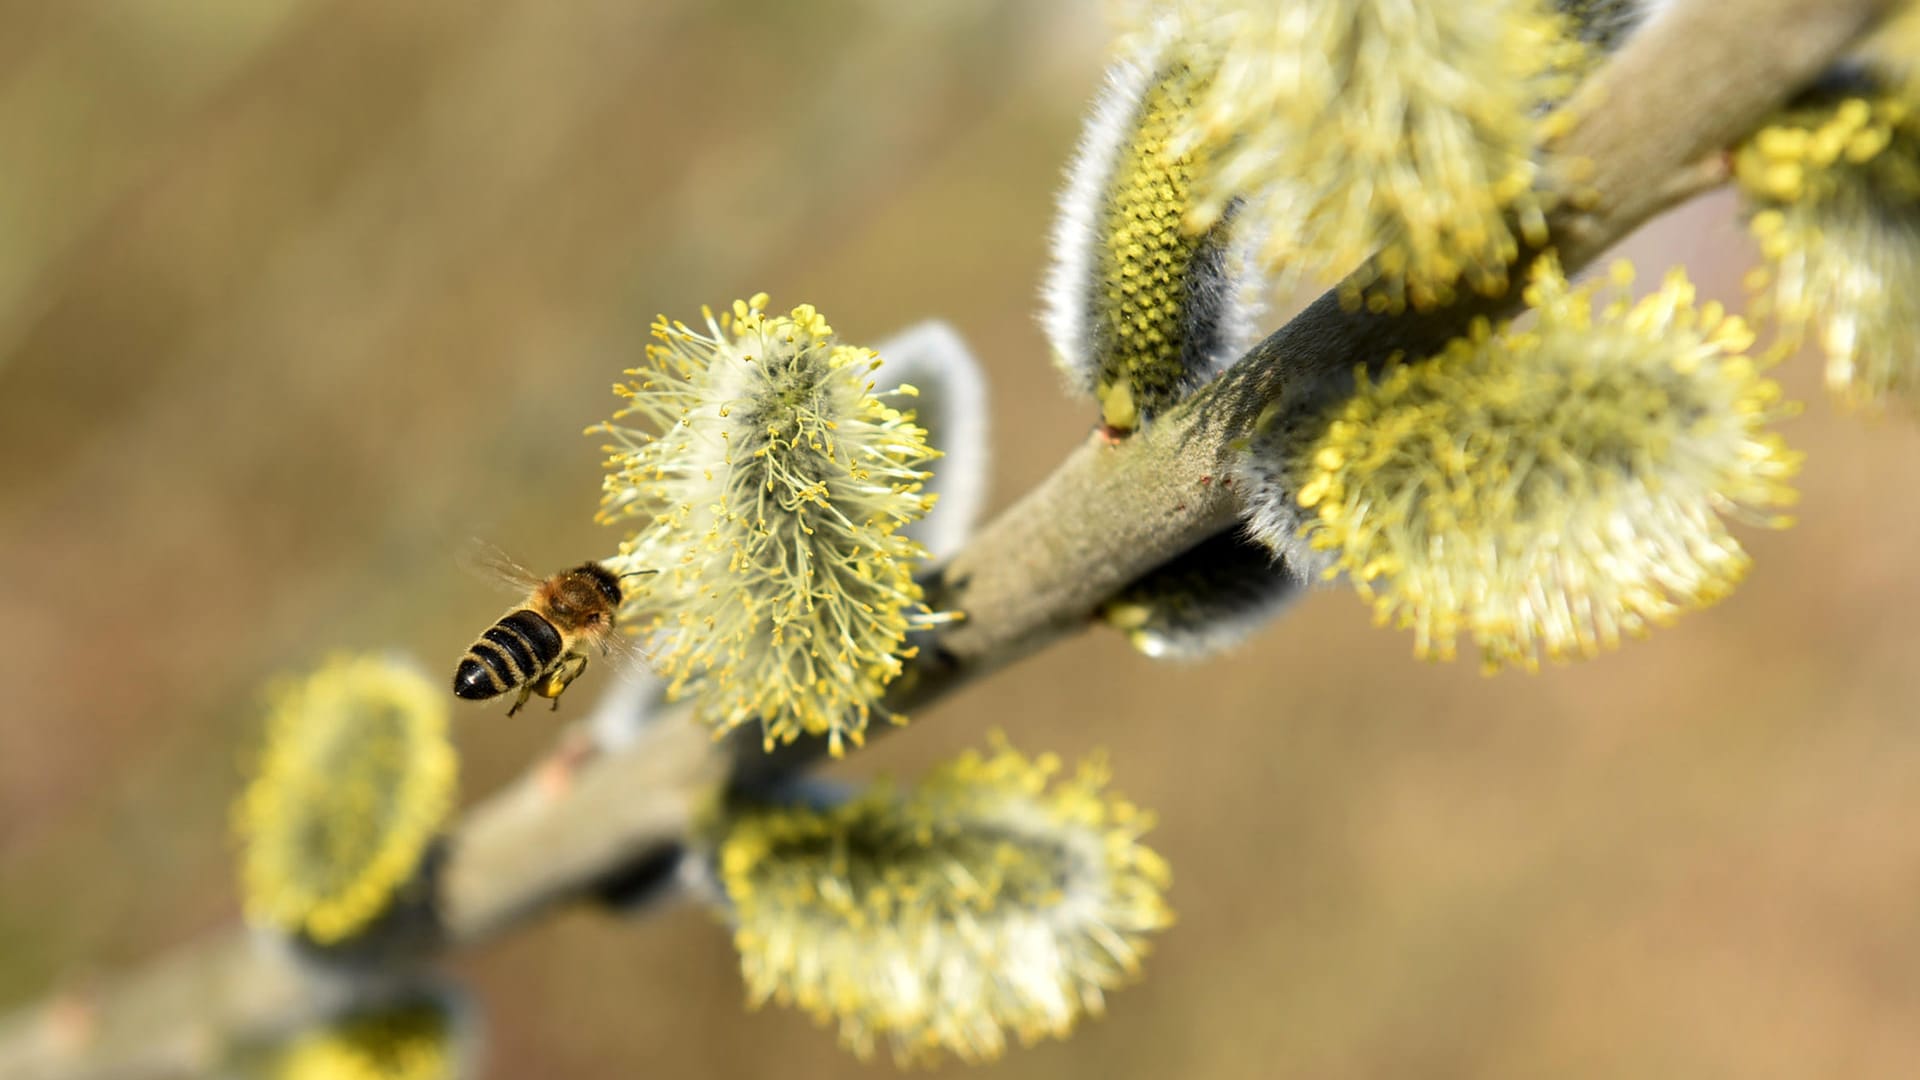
(1647, 131)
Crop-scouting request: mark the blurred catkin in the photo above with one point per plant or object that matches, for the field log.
(418, 1039)
(988, 899)
(1833, 189)
(354, 781)
(1543, 491)
(1359, 128)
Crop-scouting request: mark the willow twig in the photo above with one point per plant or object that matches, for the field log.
(1645, 133)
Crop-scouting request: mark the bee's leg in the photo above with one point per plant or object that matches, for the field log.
(519, 702)
(576, 745)
(559, 676)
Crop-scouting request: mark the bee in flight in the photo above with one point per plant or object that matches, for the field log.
(536, 647)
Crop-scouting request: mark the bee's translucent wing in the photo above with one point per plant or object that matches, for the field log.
(620, 643)
(489, 563)
(623, 649)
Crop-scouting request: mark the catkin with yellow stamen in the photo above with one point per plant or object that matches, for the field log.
(1376, 126)
(1140, 311)
(1833, 189)
(1548, 491)
(418, 1039)
(990, 899)
(356, 778)
(771, 484)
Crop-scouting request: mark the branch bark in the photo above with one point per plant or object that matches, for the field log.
(1647, 131)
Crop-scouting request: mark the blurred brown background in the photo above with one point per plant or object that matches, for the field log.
(297, 295)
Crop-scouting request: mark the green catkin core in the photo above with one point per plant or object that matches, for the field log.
(1148, 262)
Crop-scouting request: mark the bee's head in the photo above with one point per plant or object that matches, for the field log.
(603, 579)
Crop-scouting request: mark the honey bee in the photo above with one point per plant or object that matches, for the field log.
(536, 646)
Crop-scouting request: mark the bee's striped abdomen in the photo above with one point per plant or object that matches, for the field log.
(512, 651)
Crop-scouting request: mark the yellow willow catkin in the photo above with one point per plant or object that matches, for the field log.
(1548, 491)
(770, 483)
(1139, 311)
(1358, 127)
(988, 900)
(417, 1040)
(356, 777)
(1834, 195)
